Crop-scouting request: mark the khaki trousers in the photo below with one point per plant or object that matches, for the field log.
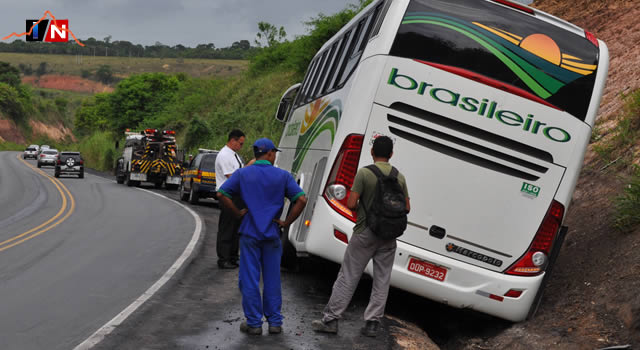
(363, 247)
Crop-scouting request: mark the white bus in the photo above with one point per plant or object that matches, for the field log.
(490, 105)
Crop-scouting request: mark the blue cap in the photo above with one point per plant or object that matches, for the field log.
(264, 145)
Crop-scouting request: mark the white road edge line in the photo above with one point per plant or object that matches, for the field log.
(103, 331)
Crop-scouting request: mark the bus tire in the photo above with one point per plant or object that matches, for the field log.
(553, 256)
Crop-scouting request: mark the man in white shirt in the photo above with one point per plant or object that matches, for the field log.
(227, 162)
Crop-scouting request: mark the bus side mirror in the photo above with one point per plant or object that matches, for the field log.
(286, 102)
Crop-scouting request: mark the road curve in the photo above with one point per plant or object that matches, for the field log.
(75, 253)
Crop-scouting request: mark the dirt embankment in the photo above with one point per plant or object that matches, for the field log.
(9, 132)
(592, 299)
(56, 132)
(67, 83)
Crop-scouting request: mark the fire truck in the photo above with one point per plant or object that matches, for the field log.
(150, 156)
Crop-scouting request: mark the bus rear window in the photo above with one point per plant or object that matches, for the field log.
(503, 45)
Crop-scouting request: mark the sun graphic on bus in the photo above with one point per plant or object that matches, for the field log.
(312, 113)
(544, 47)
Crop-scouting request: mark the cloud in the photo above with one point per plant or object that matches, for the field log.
(187, 22)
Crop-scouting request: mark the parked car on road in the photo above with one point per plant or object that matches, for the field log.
(48, 156)
(70, 163)
(199, 177)
(30, 152)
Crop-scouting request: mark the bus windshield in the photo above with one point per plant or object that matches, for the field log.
(503, 48)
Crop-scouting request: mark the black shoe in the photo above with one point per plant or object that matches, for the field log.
(245, 328)
(328, 327)
(275, 329)
(227, 265)
(370, 329)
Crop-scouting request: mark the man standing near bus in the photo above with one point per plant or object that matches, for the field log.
(263, 188)
(227, 162)
(364, 246)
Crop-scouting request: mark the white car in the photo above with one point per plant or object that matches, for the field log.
(30, 152)
(48, 157)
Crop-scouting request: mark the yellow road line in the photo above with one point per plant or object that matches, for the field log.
(39, 229)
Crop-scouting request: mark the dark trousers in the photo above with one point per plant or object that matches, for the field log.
(227, 240)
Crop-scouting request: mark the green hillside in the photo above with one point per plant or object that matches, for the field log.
(126, 66)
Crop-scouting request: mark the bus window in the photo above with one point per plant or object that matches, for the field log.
(347, 54)
(316, 76)
(309, 80)
(340, 57)
(319, 90)
(550, 64)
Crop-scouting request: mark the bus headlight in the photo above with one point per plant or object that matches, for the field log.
(539, 258)
(337, 191)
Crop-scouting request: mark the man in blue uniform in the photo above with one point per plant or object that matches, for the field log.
(263, 188)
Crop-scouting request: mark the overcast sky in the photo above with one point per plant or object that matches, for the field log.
(171, 22)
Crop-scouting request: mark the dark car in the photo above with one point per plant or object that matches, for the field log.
(199, 178)
(70, 163)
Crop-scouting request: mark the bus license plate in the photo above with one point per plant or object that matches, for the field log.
(427, 269)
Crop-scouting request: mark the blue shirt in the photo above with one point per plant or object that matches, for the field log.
(262, 187)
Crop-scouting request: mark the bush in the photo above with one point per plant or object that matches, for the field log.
(197, 133)
(627, 205)
(104, 74)
(9, 74)
(86, 73)
(10, 103)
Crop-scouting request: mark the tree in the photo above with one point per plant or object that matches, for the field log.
(104, 74)
(10, 102)
(269, 34)
(42, 69)
(141, 97)
(9, 74)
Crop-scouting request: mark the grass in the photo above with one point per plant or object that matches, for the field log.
(125, 66)
(98, 150)
(10, 146)
(627, 214)
(618, 145)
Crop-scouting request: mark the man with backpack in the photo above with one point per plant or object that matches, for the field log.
(380, 194)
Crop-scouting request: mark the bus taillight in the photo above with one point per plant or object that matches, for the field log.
(343, 172)
(515, 6)
(536, 258)
(591, 38)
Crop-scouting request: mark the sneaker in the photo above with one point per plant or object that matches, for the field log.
(328, 327)
(275, 329)
(245, 328)
(370, 329)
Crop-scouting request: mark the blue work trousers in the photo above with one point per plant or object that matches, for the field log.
(258, 256)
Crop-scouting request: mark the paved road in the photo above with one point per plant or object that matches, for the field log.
(75, 253)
